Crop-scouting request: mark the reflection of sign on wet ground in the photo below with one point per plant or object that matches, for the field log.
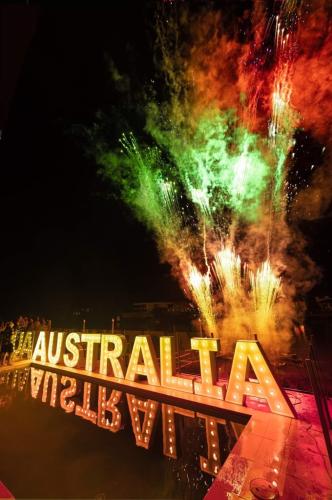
(11, 381)
(109, 409)
(14, 379)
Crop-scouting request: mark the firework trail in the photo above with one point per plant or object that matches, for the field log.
(227, 267)
(218, 168)
(265, 287)
(200, 287)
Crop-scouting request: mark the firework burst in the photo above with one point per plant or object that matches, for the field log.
(218, 166)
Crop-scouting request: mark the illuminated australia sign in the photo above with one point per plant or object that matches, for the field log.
(105, 354)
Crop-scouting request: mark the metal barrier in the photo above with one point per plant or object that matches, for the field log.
(320, 393)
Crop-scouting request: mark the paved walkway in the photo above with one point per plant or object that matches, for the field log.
(289, 453)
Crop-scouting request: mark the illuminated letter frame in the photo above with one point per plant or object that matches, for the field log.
(266, 387)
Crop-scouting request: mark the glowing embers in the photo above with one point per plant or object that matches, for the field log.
(85, 411)
(167, 367)
(169, 429)
(266, 387)
(67, 392)
(207, 349)
(109, 405)
(143, 350)
(115, 356)
(143, 432)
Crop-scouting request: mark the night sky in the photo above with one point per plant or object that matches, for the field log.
(66, 243)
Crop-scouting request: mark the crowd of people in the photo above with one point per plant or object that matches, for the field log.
(22, 324)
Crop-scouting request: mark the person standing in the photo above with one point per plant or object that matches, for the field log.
(6, 344)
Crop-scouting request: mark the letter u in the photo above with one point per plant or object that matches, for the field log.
(54, 358)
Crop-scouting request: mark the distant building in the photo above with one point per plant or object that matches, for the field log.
(181, 307)
(166, 316)
(324, 304)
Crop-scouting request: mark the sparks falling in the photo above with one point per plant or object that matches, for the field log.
(200, 286)
(265, 286)
(227, 266)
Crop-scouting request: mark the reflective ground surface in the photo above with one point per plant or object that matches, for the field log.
(62, 437)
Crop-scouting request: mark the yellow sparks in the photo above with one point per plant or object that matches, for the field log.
(200, 287)
(265, 286)
(227, 267)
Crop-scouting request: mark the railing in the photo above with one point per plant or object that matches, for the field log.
(316, 377)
